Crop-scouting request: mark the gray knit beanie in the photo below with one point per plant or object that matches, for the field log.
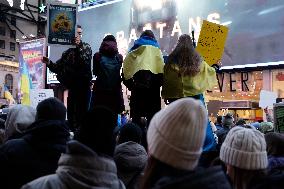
(244, 148)
(176, 133)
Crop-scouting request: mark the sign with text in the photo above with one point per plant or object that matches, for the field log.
(38, 95)
(267, 99)
(61, 22)
(212, 41)
(279, 117)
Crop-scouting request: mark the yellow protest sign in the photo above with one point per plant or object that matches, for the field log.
(211, 42)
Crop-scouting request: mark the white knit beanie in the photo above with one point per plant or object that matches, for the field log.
(176, 134)
(244, 148)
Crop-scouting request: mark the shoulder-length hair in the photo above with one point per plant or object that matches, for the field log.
(243, 179)
(155, 170)
(185, 56)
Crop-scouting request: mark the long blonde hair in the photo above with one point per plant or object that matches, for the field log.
(185, 56)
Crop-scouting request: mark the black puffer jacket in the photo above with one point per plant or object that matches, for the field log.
(34, 155)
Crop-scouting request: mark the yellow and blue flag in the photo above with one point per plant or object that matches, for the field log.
(25, 84)
(144, 55)
(8, 95)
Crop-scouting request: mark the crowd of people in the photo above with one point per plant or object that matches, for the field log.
(169, 148)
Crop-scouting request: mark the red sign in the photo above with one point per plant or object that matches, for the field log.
(280, 76)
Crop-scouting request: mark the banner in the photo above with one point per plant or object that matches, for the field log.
(61, 24)
(212, 41)
(31, 68)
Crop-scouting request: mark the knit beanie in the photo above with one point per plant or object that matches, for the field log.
(244, 148)
(130, 132)
(266, 127)
(51, 109)
(176, 133)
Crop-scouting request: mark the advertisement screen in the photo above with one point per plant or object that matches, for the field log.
(256, 27)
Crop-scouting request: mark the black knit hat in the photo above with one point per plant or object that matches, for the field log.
(109, 38)
(148, 33)
(51, 109)
(130, 132)
(97, 130)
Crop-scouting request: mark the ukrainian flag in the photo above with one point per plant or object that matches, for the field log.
(25, 85)
(144, 55)
(8, 95)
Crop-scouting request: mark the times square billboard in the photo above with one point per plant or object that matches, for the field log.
(256, 27)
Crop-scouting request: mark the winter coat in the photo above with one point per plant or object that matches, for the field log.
(130, 158)
(211, 178)
(34, 155)
(107, 88)
(275, 163)
(178, 86)
(80, 168)
(73, 69)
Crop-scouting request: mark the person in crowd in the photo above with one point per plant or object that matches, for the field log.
(241, 123)
(219, 123)
(175, 138)
(19, 119)
(87, 163)
(73, 71)
(256, 125)
(35, 154)
(130, 158)
(227, 124)
(186, 74)
(245, 156)
(275, 150)
(143, 75)
(269, 118)
(266, 127)
(106, 67)
(129, 132)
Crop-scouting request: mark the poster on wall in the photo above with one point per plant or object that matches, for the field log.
(31, 68)
(61, 23)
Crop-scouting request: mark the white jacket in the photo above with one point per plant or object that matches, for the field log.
(80, 168)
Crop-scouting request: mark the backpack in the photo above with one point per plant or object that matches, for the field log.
(108, 74)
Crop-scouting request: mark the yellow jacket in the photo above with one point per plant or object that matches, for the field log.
(178, 86)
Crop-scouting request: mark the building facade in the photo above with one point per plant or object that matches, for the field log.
(18, 22)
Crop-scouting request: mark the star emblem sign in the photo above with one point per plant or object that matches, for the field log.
(42, 8)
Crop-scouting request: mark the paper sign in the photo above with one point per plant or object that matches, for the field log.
(279, 117)
(211, 42)
(267, 99)
(61, 24)
(38, 95)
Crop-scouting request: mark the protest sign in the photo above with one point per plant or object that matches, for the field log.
(211, 42)
(61, 24)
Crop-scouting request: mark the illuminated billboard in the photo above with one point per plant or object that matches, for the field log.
(256, 28)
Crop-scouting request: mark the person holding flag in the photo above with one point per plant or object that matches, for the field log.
(8, 95)
(143, 75)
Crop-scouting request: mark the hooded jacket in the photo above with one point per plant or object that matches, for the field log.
(19, 118)
(34, 155)
(130, 158)
(80, 168)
